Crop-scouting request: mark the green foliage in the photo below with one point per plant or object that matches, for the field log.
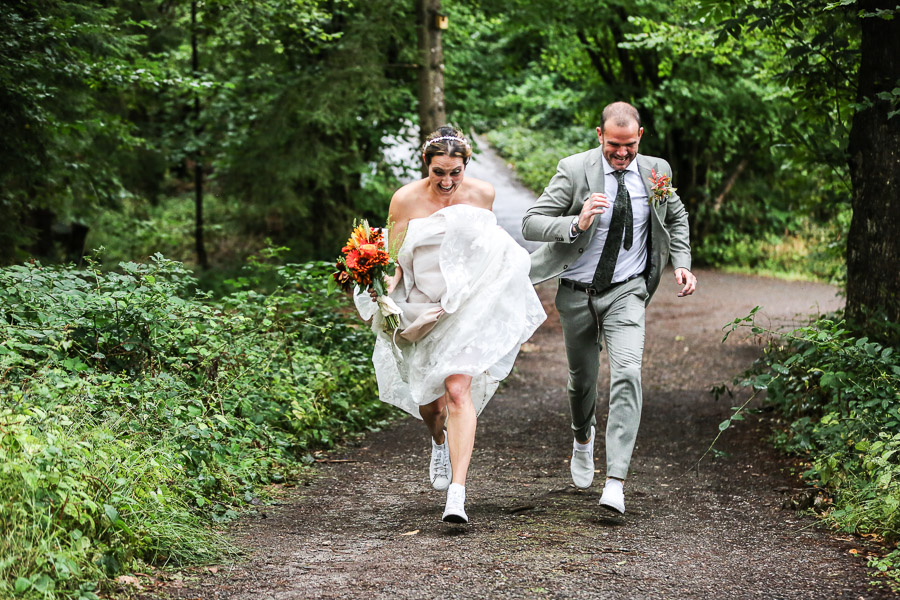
(136, 412)
(64, 136)
(731, 94)
(535, 153)
(838, 397)
(284, 113)
(302, 100)
(167, 227)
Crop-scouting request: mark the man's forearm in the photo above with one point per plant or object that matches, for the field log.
(548, 220)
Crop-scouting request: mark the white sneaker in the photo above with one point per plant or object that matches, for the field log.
(455, 511)
(613, 497)
(582, 465)
(439, 470)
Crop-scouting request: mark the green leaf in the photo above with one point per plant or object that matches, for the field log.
(111, 513)
(42, 583)
(781, 369)
(22, 585)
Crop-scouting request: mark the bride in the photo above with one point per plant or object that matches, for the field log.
(467, 302)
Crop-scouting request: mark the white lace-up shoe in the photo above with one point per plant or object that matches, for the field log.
(613, 497)
(455, 509)
(582, 465)
(439, 470)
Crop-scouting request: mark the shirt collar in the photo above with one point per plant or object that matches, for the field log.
(608, 170)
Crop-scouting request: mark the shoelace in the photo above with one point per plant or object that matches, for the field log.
(456, 497)
(440, 465)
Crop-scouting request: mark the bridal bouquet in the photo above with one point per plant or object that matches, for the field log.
(366, 263)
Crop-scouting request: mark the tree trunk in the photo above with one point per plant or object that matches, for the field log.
(873, 245)
(199, 244)
(432, 113)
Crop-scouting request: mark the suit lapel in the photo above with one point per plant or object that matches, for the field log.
(593, 172)
(596, 181)
(645, 173)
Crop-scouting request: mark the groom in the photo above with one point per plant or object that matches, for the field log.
(610, 234)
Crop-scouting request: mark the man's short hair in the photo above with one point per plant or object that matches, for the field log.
(621, 113)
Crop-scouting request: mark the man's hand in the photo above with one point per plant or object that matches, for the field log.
(687, 279)
(595, 205)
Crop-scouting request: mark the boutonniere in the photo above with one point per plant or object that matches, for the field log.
(661, 187)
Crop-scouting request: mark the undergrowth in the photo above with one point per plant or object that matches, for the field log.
(837, 397)
(137, 413)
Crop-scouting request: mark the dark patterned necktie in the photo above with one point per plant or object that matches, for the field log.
(621, 224)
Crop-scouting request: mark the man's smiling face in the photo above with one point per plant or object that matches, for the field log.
(619, 143)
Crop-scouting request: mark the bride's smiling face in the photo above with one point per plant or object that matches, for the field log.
(445, 174)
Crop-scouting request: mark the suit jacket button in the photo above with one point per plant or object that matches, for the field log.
(565, 267)
(580, 250)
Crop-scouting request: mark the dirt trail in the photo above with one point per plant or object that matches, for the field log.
(370, 528)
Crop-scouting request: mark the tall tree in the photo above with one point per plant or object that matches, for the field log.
(842, 62)
(199, 244)
(432, 113)
(873, 246)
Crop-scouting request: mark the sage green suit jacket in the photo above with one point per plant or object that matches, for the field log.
(577, 177)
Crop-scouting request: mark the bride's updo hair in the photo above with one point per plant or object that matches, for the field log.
(446, 141)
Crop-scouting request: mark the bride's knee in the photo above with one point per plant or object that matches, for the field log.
(458, 391)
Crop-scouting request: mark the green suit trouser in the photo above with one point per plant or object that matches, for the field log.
(615, 316)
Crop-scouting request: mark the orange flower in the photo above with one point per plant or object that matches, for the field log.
(368, 250)
(352, 260)
(360, 234)
(365, 261)
(381, 258)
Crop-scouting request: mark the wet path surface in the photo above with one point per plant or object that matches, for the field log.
(512, 198)
(369, 528)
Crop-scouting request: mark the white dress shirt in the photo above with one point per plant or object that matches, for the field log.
(632, 261)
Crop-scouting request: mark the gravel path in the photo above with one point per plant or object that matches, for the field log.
(369, 528)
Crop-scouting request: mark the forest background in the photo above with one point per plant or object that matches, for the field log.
(217, 150)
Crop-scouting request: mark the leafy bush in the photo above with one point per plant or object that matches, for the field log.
(535, 153)
(137, 411)
(838, 396)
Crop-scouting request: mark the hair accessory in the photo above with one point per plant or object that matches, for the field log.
(456, 138)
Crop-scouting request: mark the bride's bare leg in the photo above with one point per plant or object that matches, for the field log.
(461, 423)
(435, 417)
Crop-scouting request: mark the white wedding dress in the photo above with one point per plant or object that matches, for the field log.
(467, 303)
